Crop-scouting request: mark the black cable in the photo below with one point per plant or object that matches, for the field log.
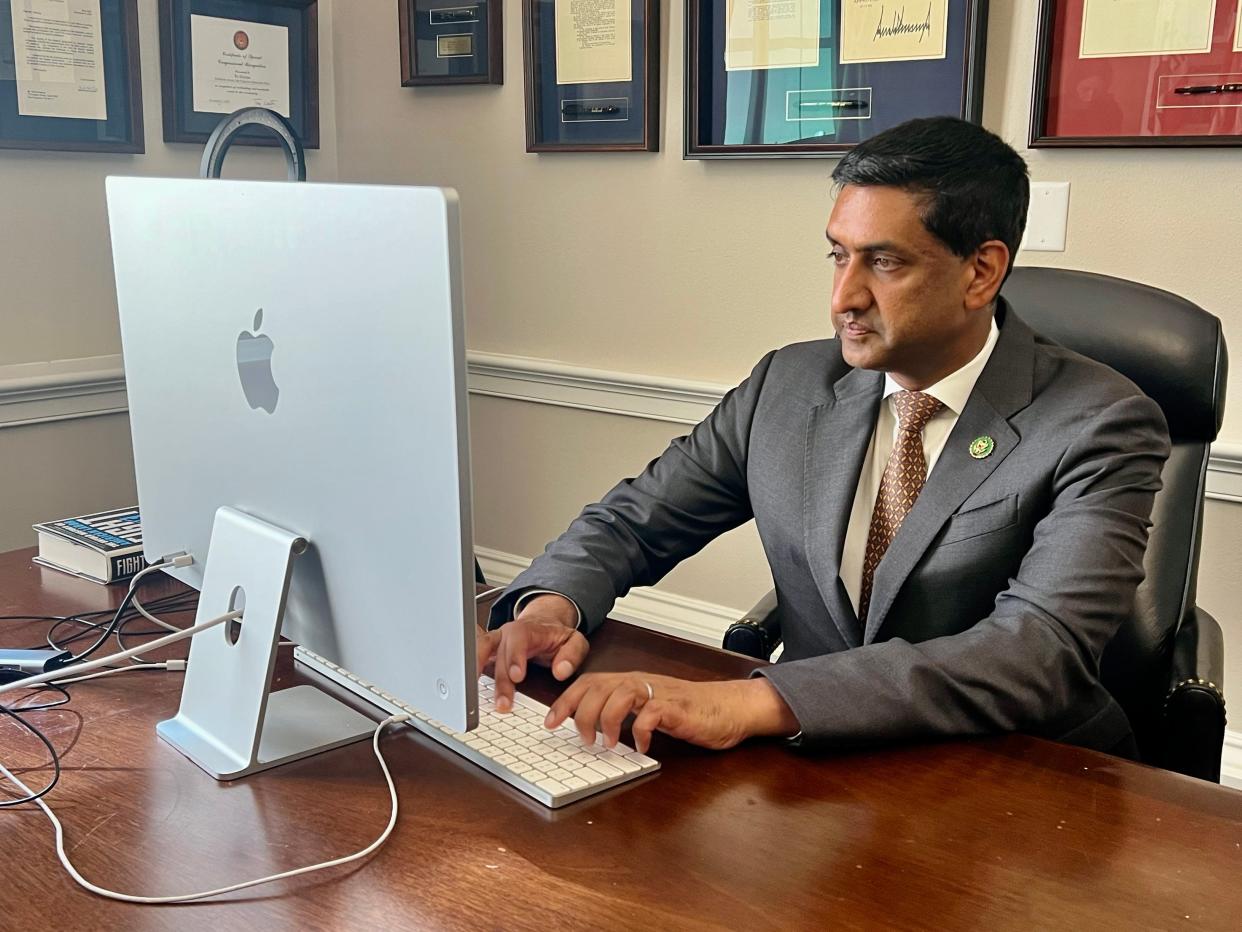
(116, 620)
(50, 749)
(42, 706)
(168, 604)
(108, 632)
(170, 609)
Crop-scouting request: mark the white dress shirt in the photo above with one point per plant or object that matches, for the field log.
(953, 391)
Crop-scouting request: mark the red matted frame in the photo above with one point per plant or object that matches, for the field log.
(1130, 101)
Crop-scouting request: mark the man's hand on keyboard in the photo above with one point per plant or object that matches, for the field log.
(543, 631)
(712, 715)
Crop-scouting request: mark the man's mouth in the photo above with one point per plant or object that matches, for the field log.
(852, 328)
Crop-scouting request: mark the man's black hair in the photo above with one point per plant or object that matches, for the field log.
(972, 185)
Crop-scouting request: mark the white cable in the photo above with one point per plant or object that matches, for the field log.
(112, 658)
(137, 660)
(138, 606)
(483, 595)
(190, 897)
(174, 666)
(141, 610)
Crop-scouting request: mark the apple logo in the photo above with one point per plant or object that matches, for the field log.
(254, 366)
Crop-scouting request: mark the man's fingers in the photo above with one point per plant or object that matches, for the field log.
(520, 641)
(570, 656)
(586, 716)
(566, 703)
(485, 646)
(512, 642)
(645, 723)
(616, 707)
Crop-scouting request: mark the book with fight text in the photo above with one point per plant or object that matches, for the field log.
(105, 547)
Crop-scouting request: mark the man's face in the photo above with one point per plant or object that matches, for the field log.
(900, 298)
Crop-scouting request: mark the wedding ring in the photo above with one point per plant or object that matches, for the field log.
(650, 691)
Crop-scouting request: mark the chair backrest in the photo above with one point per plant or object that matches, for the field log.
(1175, 352)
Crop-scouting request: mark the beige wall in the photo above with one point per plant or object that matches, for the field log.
(60, 469)
(535, 466)
(1220, 585)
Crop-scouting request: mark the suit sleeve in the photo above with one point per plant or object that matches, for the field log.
(690, 494)
(1029, 664)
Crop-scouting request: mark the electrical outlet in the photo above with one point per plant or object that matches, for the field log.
(1046, 220)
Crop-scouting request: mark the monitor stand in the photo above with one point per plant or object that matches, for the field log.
(230, 722)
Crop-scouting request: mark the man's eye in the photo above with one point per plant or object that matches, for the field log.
(836, 256)
(884, 263)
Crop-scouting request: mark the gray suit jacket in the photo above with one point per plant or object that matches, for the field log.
(992, 606)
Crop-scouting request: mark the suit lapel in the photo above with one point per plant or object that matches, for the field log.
(837, 437)
(1003, 389)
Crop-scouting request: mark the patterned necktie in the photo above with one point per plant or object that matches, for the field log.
(903, 479)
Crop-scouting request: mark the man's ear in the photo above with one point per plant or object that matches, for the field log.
(987, 270)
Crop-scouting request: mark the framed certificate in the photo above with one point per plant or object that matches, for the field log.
(592, 75)
(218, 56)
(450, 42)
(69, 76)
(782, 78)
(1138, 73)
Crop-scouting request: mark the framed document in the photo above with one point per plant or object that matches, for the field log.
(592, 75)
(450, 42)
(781, 78)
(1138, 73)
(218, 56)
(69, 75)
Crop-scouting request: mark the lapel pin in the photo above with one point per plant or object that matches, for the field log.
(982, 447)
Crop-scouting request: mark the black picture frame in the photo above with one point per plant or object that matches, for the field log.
(451, 42)
(618, 116)
(1130, 100)
(121, 132)
(182, 123)
(879, 94)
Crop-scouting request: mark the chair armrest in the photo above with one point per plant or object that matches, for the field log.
(1194, 707)
(758, 632)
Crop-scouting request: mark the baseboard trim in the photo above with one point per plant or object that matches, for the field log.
(1231, 761)
(61, 389)
(1224, 478)
(33, 393)
(692, 619)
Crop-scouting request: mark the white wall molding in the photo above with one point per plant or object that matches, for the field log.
(1224, 479)
(546, 382)
(32, 393)
(692, 619)
(62, 389)
(1231, 761)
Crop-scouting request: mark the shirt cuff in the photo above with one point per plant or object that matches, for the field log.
(531, 593)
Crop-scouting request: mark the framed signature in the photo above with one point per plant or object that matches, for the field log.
(1142, 73)
(781, 78)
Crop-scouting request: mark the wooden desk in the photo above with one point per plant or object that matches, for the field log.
(1004, 833)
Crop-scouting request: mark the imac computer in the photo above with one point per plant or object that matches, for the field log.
(295, 367)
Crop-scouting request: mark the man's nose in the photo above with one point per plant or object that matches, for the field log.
(849, 290)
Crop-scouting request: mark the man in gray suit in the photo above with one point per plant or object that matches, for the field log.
(954, 509)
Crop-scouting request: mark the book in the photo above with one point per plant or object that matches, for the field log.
(105, 547)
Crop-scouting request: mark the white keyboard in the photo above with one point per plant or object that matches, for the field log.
(554, 767)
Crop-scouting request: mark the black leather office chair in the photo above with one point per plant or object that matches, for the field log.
(1165, 667)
